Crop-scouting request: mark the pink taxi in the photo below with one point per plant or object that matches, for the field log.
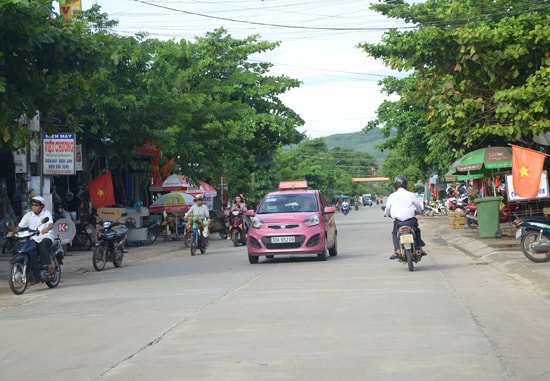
(292, 221)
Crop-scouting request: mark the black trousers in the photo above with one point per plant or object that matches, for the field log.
(410, 222)
(41, 257)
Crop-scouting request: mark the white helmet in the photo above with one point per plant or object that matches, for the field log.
(39, 199)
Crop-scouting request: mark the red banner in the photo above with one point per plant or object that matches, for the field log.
(101, 190)
(527, 166)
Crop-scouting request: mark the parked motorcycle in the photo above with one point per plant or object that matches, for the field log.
(21, 272)
(83, 239)
(534, 236)
(220, 224)
(505, 214)
(110, 244)
(154, 228)
(236, 228)
(434, 208)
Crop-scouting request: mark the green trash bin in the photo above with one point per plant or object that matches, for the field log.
(488, 217)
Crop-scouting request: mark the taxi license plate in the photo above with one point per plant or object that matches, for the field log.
(289, 239)
(519, 233)
(406, 238)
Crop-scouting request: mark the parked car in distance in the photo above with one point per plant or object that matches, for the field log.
(292, 221)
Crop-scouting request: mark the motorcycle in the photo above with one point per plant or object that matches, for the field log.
(196, 235)
(345, 209)
(83, 238)
(236, 228)
(410, 252)
(504, 215)
(220, 224)
(434, 208)
(534, 236)
(110, 244)
(154, 228)
(356, 206)
(21, 272)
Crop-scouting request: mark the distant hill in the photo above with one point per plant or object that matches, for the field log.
(359, 141)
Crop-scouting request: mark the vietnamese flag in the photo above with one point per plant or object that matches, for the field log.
(101, 191)
(527, 165)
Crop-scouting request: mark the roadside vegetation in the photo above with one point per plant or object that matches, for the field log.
(471, 74)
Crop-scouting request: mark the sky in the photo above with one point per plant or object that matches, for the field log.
(339, 91)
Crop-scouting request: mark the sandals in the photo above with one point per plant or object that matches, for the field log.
(395, 255)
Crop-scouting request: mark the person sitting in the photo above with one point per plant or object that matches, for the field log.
(40, 259)
(403, 206)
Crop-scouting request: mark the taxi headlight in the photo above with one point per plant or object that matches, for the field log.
(257, 223)
(312, 221)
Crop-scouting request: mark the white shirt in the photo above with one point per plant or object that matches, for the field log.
(402, 205)
(32, 221)
(197, 210)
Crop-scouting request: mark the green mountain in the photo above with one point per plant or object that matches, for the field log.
(359, 141)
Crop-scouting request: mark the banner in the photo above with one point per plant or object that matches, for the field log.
(101, 191)
(67, 8)
(542, 189)
(527, 165)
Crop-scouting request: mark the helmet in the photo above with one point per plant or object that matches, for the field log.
(198, 197)
(39, 199)
(400, 182)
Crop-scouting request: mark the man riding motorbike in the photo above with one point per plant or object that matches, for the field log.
(403, 206)
(200, 210)
(32, 220)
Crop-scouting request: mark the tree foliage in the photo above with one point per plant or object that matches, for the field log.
(477, 75)
(329, 170)
(46, 65)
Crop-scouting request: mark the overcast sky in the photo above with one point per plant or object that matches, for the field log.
(339, 91)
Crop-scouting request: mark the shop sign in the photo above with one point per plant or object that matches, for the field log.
(59, 154)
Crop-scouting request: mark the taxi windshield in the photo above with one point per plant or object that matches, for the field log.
(288, 203)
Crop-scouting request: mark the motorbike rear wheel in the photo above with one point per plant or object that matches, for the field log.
(528, 238)
(99, 258)
(53, 280)
(235, 238)
(409, 256)
(152, 233)
(118, 257)
(18, 281)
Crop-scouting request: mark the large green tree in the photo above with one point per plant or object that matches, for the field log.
(477, 74)
(46, 66)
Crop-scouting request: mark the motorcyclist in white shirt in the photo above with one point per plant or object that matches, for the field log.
(403, 206)
(33, 220)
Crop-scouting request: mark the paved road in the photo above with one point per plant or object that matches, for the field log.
(464, 314)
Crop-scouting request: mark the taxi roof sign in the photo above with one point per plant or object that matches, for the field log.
(290, 185)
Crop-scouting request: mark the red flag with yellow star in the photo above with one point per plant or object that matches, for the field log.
(527, 166)
(101, 190)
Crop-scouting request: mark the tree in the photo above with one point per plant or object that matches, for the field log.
(478, 72)
(330, 171)
(46, 67)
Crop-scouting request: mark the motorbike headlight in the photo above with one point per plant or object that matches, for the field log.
(312, 221)
(257, 223)
(107, 224)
